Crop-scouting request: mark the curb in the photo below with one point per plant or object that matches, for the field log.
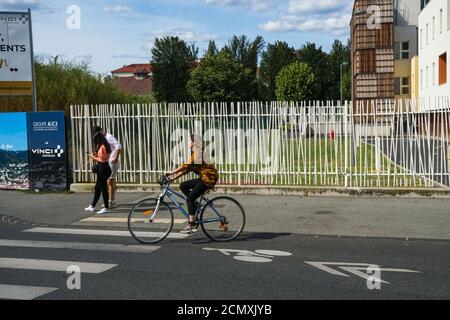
(290, 191)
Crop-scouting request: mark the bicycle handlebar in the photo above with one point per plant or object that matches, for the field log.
(163, 181)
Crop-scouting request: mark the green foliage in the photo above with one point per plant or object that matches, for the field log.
(339, 54)
(61, 84)
(317, 59)
(219, 78)
(296, 82)
(172, 61)
(212, 48)
(275, 58)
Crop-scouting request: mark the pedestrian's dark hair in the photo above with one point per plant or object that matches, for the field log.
(99, 140)
(97, 129)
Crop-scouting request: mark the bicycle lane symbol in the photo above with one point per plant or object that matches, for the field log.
(258, 256)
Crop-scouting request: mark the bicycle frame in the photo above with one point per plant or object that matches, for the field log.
(173, 195)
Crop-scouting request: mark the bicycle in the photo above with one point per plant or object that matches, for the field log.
(222, 219)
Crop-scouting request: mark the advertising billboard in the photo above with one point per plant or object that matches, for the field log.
(14, 169)
(33, 151)
(47, 150)
(16, 70)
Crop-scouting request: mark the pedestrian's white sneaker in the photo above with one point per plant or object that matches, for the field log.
(90, 209)
(103, 211)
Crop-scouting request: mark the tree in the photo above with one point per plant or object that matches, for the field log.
(317, 59)
(172, 61)
(246, 52)
(219, 78)
(339, 54)
(275, 58)
(296, 82)
(212, 48)
(60, 84)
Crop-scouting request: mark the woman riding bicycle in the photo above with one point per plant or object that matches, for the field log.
(194, 189)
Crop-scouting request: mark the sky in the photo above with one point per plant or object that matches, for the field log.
(111, 34)
(13, 132)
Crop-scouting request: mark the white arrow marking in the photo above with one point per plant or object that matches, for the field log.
(358, 269)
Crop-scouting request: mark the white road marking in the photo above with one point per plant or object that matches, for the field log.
(78, 246)
(358, 269)
(23, 292)
(260, 256)
(113, 233)
(133, 220)
(53, 265)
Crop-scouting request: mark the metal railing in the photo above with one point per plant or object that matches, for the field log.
(369, 144)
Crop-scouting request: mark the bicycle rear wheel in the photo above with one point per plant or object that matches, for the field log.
(143, 229)
(222, 219)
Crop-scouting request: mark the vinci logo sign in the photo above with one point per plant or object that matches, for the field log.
(47, 150)
(49, 153)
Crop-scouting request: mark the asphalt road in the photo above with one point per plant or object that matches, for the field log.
(193, 268)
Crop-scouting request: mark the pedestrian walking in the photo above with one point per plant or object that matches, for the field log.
(114, 163)
(102, 156)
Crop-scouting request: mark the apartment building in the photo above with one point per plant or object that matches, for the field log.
(434, 48)
(384, 49)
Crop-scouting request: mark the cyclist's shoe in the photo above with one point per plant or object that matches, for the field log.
(223, 227)
(190, 228)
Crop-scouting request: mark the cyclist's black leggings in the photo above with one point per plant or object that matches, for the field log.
(193, 189)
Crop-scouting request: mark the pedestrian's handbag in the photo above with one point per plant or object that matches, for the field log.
(96, 167)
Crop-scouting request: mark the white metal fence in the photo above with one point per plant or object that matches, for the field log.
(371, 144)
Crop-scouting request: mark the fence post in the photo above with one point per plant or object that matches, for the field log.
(239, 154)
(346, 143)
(72, 132)
(141, 176)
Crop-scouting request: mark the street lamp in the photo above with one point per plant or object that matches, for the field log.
(342, 64)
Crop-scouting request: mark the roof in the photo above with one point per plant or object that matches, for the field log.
(134, 86)
(135, 68)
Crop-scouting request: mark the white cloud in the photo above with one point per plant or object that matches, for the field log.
(255, 5)
(317, 6)
(188, 35)
(117, 8)
(23, 5)
(321, 16)
(129, 56)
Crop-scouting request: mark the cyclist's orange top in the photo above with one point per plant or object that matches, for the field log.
(208, 173)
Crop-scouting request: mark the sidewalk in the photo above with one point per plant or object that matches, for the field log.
(337, 216)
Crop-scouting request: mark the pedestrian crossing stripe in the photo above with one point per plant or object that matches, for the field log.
(53, 265)
(12, 292)
(133, 220)
(78, 246)
(114, 233)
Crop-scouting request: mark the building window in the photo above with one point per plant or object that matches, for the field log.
(426, 42)
(405, 86)
(421, 38)
(440, 21)
(401, 50)
(421, 79)
(434, 74)
(433, 27)
(405, 50)
(426, 80)
(443, 68)
(401, 86)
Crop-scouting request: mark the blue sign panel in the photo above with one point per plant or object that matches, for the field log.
(14, 170)
(47, 151)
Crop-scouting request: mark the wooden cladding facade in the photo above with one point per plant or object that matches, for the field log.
(373, 50)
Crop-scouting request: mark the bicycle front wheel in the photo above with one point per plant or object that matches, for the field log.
(222, 219)
(145, 230)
